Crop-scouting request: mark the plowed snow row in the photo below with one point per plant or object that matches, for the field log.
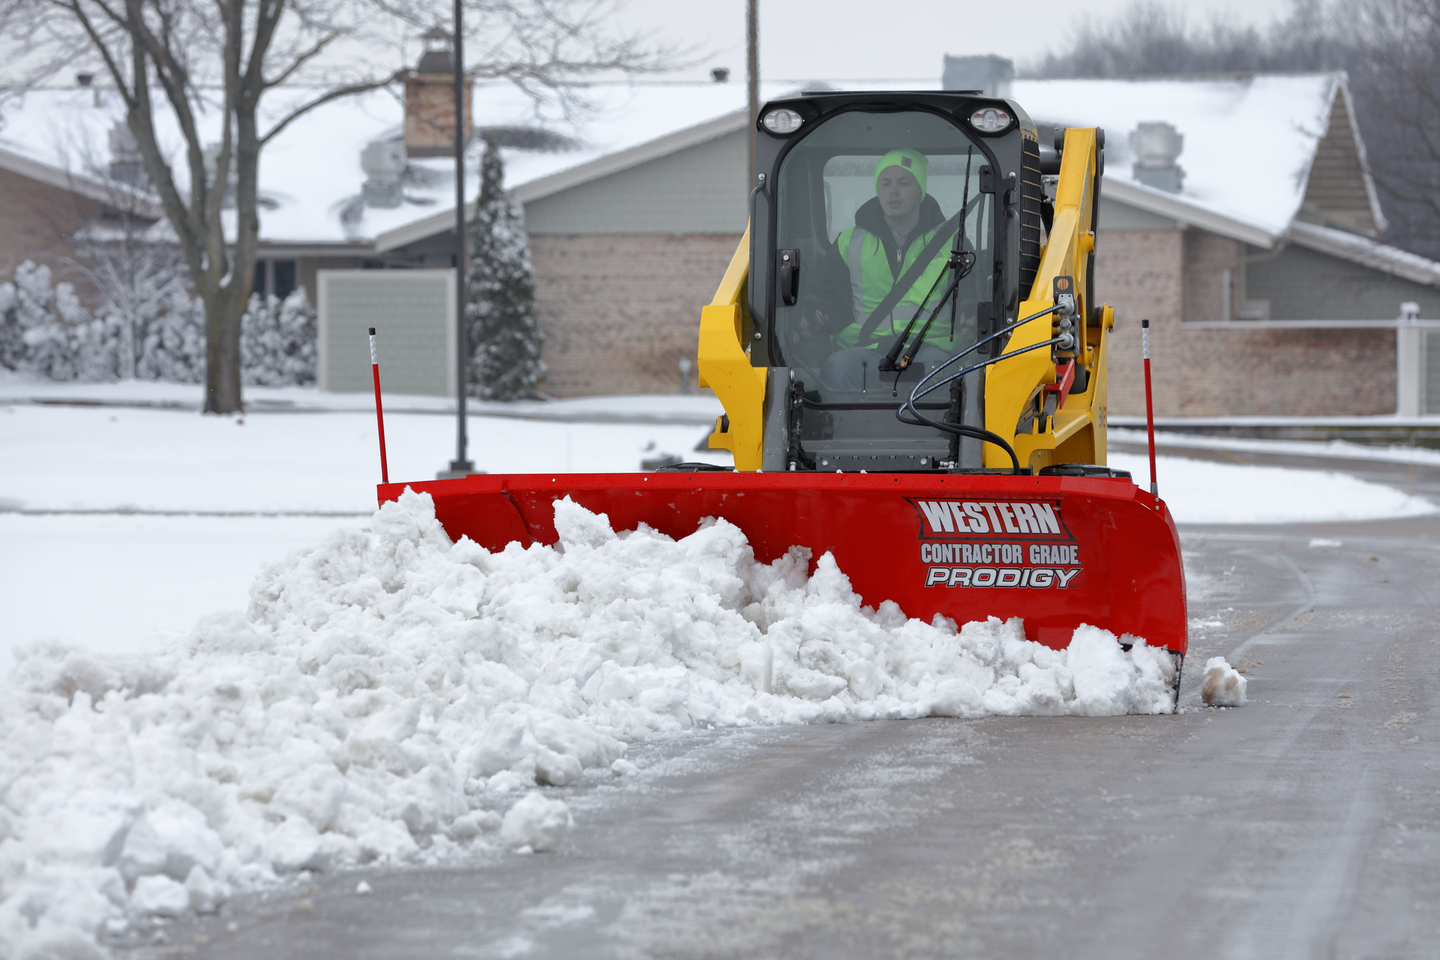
(389, 693)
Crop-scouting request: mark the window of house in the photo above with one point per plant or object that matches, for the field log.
(284, 278)
(275, 277)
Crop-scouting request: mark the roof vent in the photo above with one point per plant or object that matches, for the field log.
(989, 74)
(383, 162)
(1157, 145)
(126, 164)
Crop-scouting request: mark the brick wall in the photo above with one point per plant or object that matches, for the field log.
(1168, 275)
(1291, 373)
(38, 222)
(1140, 273)
(1214, 273)
(620, 310)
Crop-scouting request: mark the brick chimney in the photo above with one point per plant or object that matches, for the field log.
(430, 100)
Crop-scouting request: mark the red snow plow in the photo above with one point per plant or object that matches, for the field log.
(913, 372)
(1056, 551)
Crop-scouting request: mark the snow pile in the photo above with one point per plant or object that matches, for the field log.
(389, 691)
(1223, 686)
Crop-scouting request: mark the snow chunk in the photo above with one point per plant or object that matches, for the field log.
(579, 527)
(536, 823)
(160, 896)
(1222, 686)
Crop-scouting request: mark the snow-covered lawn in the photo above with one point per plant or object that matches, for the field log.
(112, 582)
(69, 458)
(1202, 491)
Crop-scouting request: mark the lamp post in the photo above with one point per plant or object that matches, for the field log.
(461, 465)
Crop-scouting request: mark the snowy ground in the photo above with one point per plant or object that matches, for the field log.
(338, 655)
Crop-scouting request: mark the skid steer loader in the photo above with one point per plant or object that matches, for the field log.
(941, 432)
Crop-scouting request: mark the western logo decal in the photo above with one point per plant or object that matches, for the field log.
(960, 518)
(958, 544)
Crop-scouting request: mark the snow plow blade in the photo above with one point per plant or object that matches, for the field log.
(1055, 551)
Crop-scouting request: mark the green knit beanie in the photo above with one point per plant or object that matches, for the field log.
(912, 162)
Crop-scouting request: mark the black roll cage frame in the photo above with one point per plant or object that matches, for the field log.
(765, 239)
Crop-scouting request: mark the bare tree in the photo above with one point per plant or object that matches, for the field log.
(1389, 48)
(1396, 78)
(217, 66)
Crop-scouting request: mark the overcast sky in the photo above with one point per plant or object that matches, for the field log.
(877, 39)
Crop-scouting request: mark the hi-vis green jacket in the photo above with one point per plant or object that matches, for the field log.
(875, 263)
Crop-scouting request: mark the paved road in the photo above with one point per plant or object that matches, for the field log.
(1305, 824)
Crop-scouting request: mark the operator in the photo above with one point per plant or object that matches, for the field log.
(890, 232)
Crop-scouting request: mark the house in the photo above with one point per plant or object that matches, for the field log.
(1236, 214)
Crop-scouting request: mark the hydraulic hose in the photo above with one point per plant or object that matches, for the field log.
(921, 389)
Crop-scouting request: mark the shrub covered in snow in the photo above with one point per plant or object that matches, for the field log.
(43, 327)
(171, 342)
(277, 341)
(151, 329)
(389, 692)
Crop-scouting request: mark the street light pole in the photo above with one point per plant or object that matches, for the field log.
(461, 465)
(752, 78)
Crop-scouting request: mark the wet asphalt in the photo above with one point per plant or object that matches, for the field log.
(1305, 824)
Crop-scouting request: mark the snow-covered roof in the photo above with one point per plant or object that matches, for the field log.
(311, 171)
(1249, 141)
(1249, 144)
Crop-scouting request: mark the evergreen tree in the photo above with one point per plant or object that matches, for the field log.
(504, 334)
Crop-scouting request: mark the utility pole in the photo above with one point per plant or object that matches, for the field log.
(752, 78)
(461, 465)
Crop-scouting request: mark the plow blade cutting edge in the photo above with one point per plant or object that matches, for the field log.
(1054, 551)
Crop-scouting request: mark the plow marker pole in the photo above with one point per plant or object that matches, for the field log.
(1149, 406)
(380, 411)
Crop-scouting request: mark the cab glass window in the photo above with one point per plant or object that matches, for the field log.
(849, 231)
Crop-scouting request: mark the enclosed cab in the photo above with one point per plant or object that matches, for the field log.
(857, 294)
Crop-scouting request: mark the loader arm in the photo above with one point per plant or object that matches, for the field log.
(1046, 420)
(724, 365)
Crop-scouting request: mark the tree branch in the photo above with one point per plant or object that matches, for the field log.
(337, 93)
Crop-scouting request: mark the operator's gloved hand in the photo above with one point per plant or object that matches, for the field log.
(813, 324)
